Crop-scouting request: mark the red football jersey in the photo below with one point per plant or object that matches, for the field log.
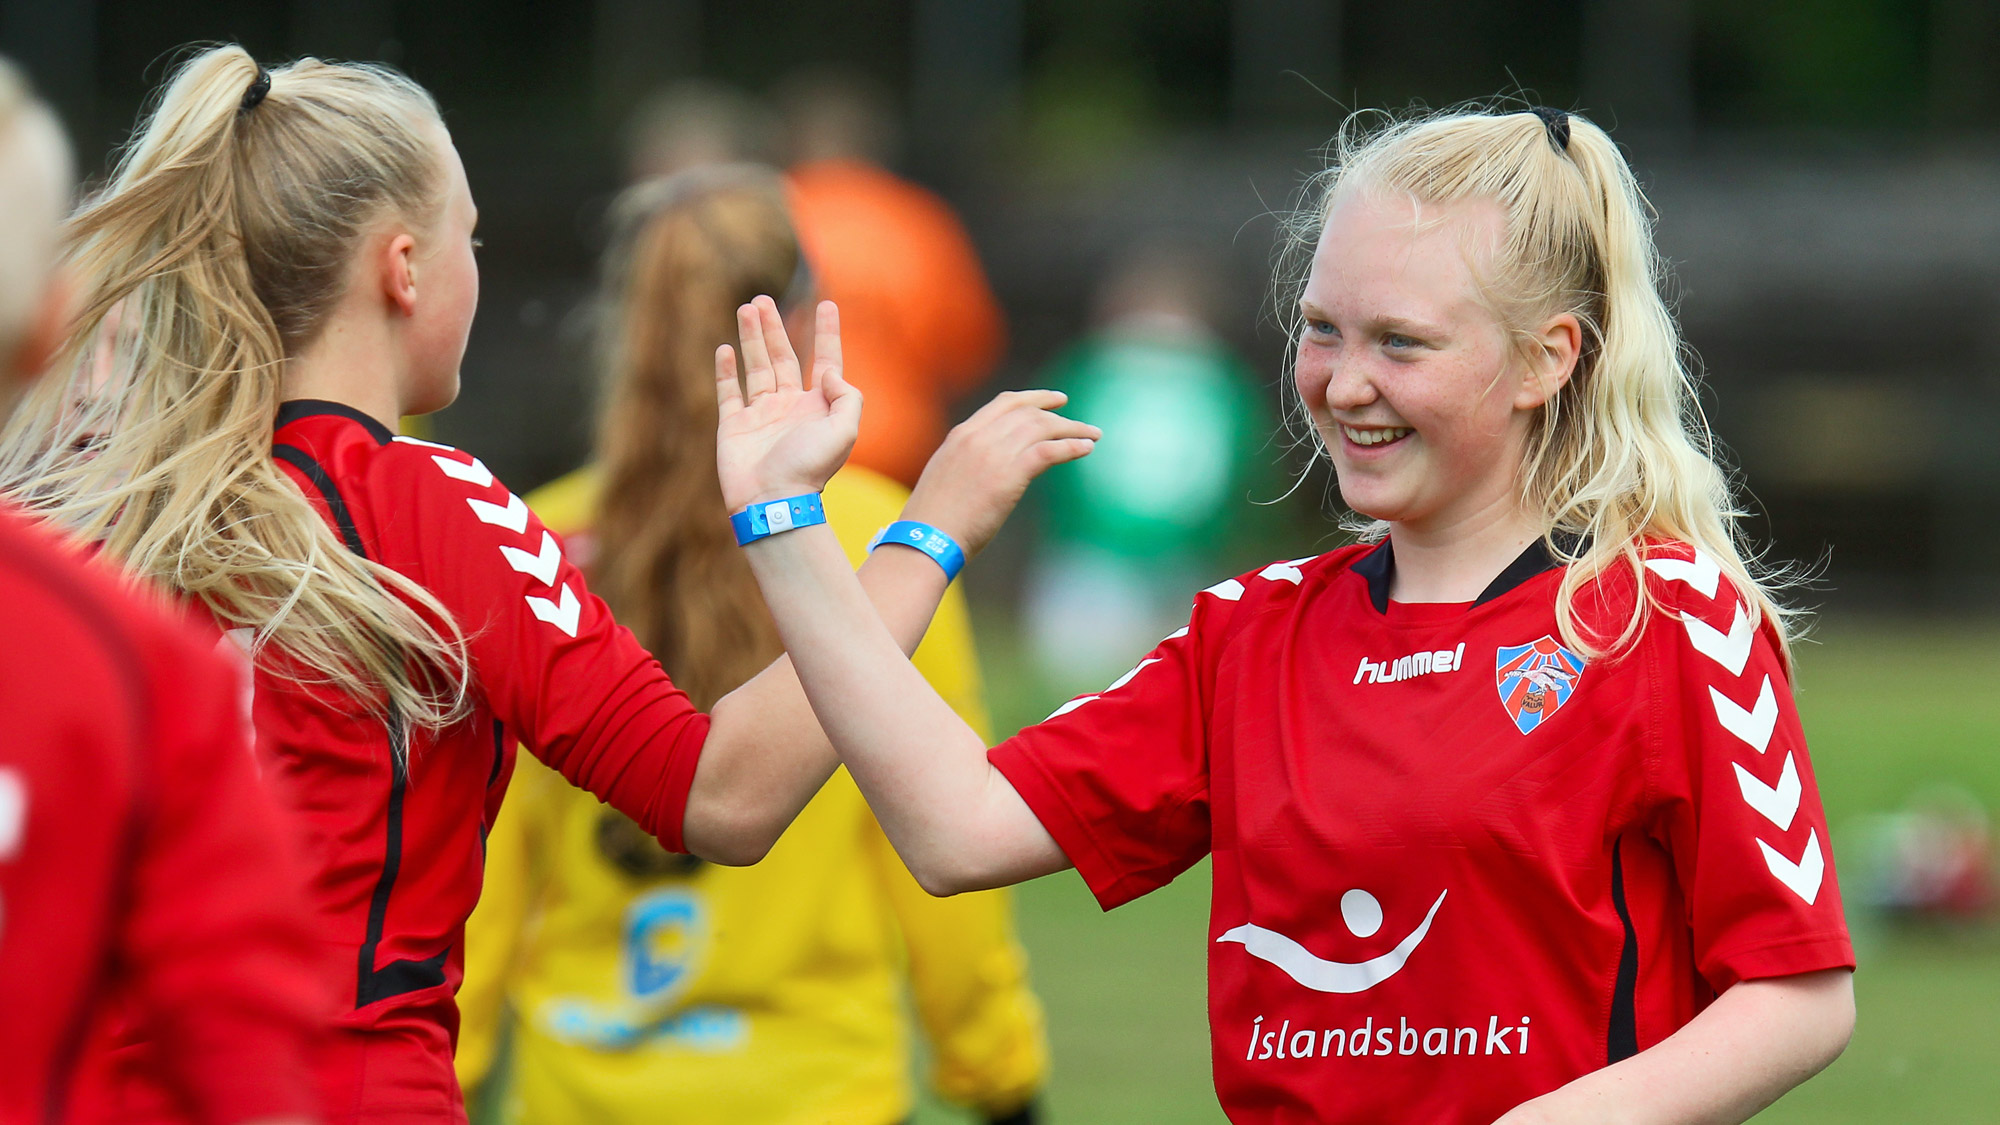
(396, 855)
(140, 861)
(1456, 864)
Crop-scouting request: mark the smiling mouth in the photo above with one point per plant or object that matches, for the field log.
(1382, 435)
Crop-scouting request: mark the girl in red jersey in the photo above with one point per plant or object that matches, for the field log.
(1510, 810)
(291, 253)
(135, 857)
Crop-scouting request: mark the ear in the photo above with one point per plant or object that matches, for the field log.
(1551, 360)
(398, 264)
(47, 329)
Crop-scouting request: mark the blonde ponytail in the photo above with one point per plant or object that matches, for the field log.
(1622, 456)
(215, 254)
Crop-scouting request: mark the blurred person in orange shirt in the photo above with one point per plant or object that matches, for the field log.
(919, 322)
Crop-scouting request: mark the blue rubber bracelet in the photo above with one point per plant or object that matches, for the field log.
(942, 548)
(771, 517)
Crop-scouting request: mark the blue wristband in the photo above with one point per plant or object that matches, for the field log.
(942, 548)
(767, 518)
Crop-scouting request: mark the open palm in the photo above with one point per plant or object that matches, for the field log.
(778, 437)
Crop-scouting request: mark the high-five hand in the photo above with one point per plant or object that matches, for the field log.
(977, 476)
(779, 437)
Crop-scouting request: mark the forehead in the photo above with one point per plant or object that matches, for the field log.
(1381, 248)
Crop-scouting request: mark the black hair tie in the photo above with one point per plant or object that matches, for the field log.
(259, 86)
(1556, 121)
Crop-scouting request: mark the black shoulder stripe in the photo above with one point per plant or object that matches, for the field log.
(1622, 1042)
(302, 461)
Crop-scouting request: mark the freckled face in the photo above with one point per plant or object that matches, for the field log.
(1406, 375)
(447, 292)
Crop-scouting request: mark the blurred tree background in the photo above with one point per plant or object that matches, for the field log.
(1827, 174)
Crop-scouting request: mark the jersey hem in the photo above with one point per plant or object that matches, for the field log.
(1783, 958)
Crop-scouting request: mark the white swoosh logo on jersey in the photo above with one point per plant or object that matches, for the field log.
(1329, 976)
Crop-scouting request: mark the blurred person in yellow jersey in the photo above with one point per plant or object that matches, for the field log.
(636, 985)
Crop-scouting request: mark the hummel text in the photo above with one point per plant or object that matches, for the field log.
(1406, 667)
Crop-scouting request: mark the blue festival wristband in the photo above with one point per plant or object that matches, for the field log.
(767, 518)
(942, 548)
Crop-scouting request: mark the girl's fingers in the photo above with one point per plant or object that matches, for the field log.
(1049, 426)
(728, 390)
(758, 377)
(784, 361)
(826, 343)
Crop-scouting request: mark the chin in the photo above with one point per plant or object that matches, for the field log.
(436, 398)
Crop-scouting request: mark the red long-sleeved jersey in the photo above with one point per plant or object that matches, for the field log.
(396, 856)
(137, 858)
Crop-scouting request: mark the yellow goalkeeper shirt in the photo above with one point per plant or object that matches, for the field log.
(765, 995)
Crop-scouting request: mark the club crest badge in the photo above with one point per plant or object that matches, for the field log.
(1535, 680)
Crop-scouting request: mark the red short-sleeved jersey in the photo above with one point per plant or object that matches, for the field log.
(397, 856)
(141, 864)
(1456, 864)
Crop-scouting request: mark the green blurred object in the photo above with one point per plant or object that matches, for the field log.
(1889, 709)
(1180, 416)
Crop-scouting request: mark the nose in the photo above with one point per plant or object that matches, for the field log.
(1349, 385)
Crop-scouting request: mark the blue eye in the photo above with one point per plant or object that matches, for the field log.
(1399, 341)
(1321, 328)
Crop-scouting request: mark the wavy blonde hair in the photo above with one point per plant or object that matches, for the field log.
(686, 251)
(1622, 455)
(212, 257)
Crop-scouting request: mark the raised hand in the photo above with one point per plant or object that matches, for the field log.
(977, 476)
(778, 437)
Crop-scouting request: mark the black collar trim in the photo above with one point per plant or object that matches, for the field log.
(289, 412)
(1379, 568)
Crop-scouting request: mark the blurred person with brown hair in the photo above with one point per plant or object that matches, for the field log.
(637, 979)
(143, 871)
(690, 124)
(920, 324)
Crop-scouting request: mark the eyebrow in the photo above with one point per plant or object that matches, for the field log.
(1397, 324)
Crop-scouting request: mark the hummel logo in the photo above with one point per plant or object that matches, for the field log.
(1387, 671)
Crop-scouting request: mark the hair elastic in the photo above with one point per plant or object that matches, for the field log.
(259, 86)
(1556, 121)
(942, 548)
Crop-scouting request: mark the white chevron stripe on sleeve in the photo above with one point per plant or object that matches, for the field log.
(474, 474)
(1229, 590)
(1754, 726)
(1070, 706)
(1702, 574)
(542, 567)
(1731, 649)
(1127, 677)
(1802, 877)
(561, 613)
(513, 515)
(1777, 804)
(408, 440)
(1282, 572)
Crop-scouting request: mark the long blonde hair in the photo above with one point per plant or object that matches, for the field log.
(1622, 455)
(212, 257)
(686, 251)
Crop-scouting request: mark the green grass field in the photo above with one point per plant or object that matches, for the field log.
(1888, 710)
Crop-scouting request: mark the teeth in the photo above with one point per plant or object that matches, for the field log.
(1374, 436)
